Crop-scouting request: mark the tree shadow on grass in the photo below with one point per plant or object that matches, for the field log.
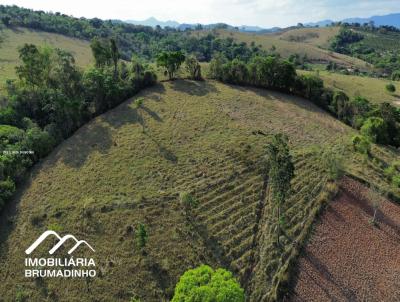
(198, 88)
(96, 136)
(164, 151)
(281, 97)
(90, 138)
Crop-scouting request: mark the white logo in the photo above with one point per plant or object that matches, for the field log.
(68, 267)
(59, 244)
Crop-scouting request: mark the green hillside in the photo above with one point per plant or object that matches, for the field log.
(130, 164)
(371, 88)
(312, 43)
(15, 38)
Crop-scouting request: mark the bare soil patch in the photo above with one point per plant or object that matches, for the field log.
(349, 259)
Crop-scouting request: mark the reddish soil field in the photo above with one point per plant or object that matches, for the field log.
(349, 259)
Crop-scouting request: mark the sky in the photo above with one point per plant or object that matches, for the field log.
(264, 13)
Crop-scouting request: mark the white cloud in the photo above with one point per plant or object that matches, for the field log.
(265, 13)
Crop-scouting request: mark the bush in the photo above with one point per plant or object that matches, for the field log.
(396, 75)
(396, 181)
(375, 129)
(333, 164)
(205, 284)
(138, 102)
(390, 88)
(193, 68)
(361, 144)
(141, 236)
(188, 201)
(7, 189)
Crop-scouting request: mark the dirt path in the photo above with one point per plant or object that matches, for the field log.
(348, 259)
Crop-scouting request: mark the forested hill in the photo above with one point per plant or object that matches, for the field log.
(143, 41)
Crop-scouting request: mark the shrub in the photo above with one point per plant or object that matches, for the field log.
(396, 181)
(139, 102)
(7, 189)
(205, 284)
(188, 201)
(361, 144)
(396, 75)
(193, 68)
(390, 88)
(141, 236)
(375, 129)
(333, 164)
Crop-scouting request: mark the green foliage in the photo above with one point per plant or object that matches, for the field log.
(7, 189)
(188, 201)
(361, 144)
(21, 295)
(390, 88)
(52, 98)
(392, 172)
(141, 236)
(375, 129)
(193, 68)
(144, 41)
(267, 72)
(205, 284)
(396, 180)
(345, 37)
(333, 162)
(280, 171)
(171, 61)
(396, 75)
(139, 102)
(310, 87)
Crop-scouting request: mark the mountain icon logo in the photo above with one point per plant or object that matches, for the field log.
(61, 241)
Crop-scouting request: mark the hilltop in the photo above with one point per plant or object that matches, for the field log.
(129, 165)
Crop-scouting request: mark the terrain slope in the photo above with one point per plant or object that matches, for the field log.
(16, 37)
(349, 259)
(129, 165)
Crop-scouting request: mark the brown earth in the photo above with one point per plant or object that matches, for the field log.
(348, 258)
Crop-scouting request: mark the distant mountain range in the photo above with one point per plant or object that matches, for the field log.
(153, 22)
(392, 20)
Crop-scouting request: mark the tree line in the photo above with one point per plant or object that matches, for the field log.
(377, 123)
(143, 41)
(51, 98)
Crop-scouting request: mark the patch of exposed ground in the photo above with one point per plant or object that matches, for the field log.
(348, 259)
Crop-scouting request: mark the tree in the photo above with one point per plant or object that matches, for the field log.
(390, 88)
(396, 75)
(101, 52)
(205, 284)
(171, 61)
(114, 53)
(375, 129)
(280, 173)
(341, 106)
(141, 236)
(216, 66)
(361, 144)
(193, 68)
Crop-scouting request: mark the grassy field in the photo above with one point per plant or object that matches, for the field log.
(305, 42)
(15, 38)
(130, 164)
(371, 88)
